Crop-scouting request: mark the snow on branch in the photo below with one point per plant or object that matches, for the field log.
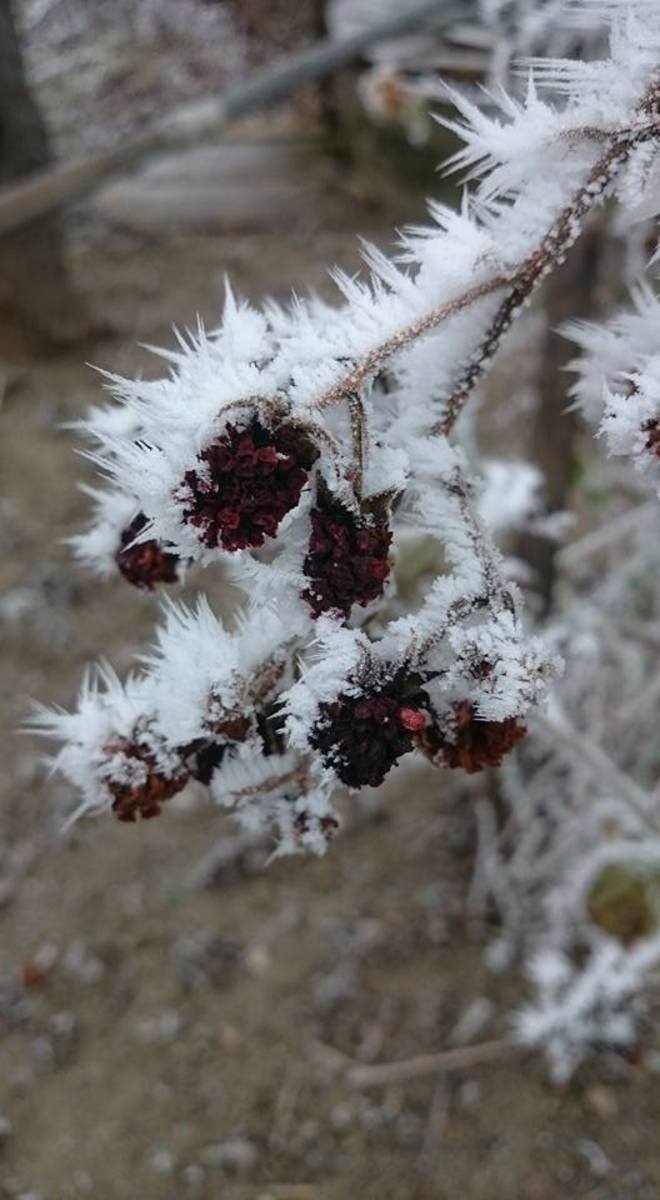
(618, 384)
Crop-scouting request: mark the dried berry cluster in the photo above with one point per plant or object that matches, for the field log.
(140, 773)
(138, 783)
(145, 564)
(244, 484)
(348, 558)
(471, 743)
(280, 711)
(363, 734)
(247, 481)
(249, 478)
(652, 431)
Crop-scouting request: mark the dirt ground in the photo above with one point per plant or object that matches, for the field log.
(173, 1029)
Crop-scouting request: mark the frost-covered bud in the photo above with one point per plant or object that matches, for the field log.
(140, 774)
(262, 730)
(470, 742)
(145, 564)
(313, 831)
(363, 733)
(348, 559)
(227, 727)
(631, 423)
(245, 483)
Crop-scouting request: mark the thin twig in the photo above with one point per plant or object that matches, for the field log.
(285, 1106)
(495, 591)
(560, 237)
(459, 1059)
(599, 764)
(522, 282)
(436, 1126)
(359, 436)
(631, 521)
(364, 371)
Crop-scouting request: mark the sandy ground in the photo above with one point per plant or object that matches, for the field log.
(164, 1035)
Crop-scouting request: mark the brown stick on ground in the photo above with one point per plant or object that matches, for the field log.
(459, 1059)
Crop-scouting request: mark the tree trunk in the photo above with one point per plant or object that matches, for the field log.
(36, 294)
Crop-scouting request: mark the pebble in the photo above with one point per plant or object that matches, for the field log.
(6, 1129)
(336, 987)
(163, 1028)
(598, 1162)
(43, 1050)
(602, 1101)
(162, 1161)
(237, 1154)
(205, 958)
(82, 964)
(342, 1117)
(83, 1181)
(193, 1175)
(63, 1024)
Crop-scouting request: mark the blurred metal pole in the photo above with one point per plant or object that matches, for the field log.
(46, 190)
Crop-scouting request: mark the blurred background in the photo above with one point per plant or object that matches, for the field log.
(177, 1019)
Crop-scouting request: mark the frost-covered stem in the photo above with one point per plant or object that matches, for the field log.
(493, 592)
(551, 252)
(489, 880)
(648, 634)
(298, 775)
(597, 762)
(359, 434)
(365, 371)
(522, 282)
(484, 548)
(605, 538)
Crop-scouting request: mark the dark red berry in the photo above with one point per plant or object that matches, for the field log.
(145, 564)
(203, 757)
(412, 719)
(132, 799)
(348, 558)
(362, 737)
(472, 743)
(247, 481)
(652, 431)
